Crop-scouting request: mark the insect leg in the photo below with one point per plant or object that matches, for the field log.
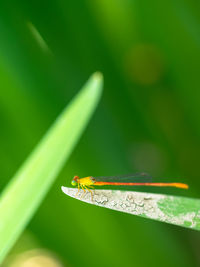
(82, 187)
(90, 186)
(78, 189)
(90, 192)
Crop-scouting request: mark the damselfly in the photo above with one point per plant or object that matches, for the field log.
(137, 179)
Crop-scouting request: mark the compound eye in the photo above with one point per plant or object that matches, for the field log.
(74, 183)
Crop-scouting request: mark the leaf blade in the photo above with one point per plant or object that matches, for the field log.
(27, 188)
(176, 210)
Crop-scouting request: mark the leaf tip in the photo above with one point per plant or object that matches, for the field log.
(63, 189)
(98, 76)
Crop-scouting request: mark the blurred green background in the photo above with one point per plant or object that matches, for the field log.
(148, 120)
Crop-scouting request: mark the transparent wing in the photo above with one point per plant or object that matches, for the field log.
(134, 177)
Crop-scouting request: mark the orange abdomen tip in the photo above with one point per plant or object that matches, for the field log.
(180, 185)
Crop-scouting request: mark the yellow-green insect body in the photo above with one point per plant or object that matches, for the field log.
(84, 183)
(87, 181)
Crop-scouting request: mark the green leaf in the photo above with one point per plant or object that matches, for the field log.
(28, 187)
(181, 211)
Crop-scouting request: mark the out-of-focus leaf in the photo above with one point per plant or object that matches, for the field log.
(28, 187)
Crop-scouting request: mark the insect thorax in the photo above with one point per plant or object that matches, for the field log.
(87, 181)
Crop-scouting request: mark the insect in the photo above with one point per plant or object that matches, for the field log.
(89, 182)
